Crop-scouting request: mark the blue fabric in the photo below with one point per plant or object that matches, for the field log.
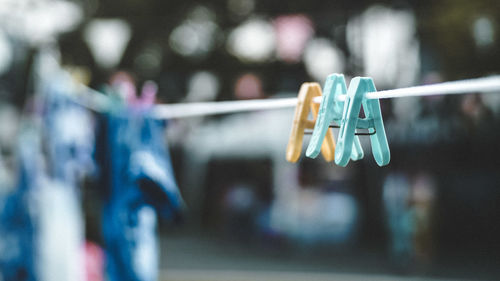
(18, 219)
(69, 142)
(138, 176)
(69, 134)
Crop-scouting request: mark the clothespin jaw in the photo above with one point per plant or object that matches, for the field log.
(373, 122)
(301, 122)
(331, 109)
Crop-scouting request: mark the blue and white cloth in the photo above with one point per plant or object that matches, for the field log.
(139, 186)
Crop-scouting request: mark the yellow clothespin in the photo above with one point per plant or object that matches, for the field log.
(301, 122)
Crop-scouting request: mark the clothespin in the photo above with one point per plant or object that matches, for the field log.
(148, 94)
(301, 122)
(331, 110)
(123, 84)
(355, 98)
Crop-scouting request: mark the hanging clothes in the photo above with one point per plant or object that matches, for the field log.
(18, 214)
(41, 223)
(69, 141)
(69, 135)
(139, 186)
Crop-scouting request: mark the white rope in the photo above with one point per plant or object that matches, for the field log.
(92, 99)
(181, 110)
(167, 111)
(478, 85)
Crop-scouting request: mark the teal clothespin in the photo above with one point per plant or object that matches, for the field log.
(373, 122)
(331, 110)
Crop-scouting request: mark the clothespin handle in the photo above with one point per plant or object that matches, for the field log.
(301, 122)
(356, 98)
(331, 110)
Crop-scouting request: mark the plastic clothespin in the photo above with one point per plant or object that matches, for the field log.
(330, 110)
(301, 122)
(148, 94)
(355, 98)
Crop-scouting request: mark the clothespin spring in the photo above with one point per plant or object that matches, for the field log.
(309, 132)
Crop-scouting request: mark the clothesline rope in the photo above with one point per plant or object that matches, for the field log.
(478, 85)
(182, 110)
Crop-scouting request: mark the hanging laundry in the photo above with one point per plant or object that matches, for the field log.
(69, 134)
(18, 215)
(41, 222)
(139, 186)
(60, 235)
(69, 157)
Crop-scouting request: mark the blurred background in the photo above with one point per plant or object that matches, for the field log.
(432, 213)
